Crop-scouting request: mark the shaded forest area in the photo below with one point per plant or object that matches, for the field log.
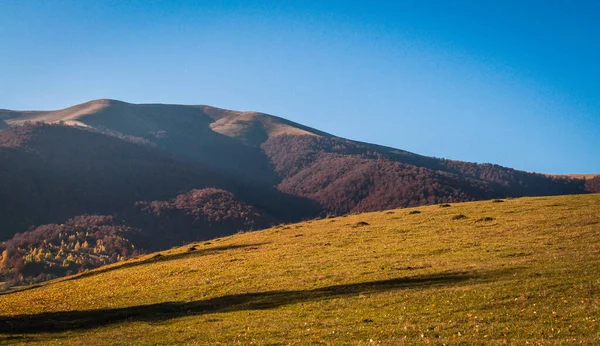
(50, 173)
(593, 185)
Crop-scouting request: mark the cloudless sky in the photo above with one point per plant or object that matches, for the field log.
(509, 82)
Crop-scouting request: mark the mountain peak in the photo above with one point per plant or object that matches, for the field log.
(142, 120)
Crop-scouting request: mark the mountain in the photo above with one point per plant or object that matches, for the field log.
(209, 137)
(515, 271)
(347, 176)
(269, 150)
(50, 173)
(165, 171)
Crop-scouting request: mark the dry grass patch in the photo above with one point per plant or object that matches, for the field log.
(531, 276)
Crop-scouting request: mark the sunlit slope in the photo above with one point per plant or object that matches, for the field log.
(165, 120)
(517, 271)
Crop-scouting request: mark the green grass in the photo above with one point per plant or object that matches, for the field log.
(526, 270)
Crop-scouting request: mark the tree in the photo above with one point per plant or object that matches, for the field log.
(4, 260)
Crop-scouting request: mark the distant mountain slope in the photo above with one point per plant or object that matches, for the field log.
(214, 138)
(265, 150)
(347, 176)
(148, 119)
(591, 181)
(50, 173)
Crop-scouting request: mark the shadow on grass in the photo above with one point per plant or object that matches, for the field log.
(134, 263)
(72, 320)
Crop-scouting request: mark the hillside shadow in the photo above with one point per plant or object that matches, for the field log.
(54, 322)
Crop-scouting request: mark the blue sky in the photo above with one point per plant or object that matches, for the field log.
(507, 82)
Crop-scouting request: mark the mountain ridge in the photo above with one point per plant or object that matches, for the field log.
(246, 145)
(225, 121)
(152, 167)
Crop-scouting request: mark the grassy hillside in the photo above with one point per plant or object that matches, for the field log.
(494, 272)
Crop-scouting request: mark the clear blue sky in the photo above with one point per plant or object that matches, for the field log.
(508, 82)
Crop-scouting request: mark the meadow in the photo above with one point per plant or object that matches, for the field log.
(514, 271)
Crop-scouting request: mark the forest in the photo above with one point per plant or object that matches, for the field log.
(346, 176)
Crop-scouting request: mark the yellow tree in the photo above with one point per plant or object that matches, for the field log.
(4, 259)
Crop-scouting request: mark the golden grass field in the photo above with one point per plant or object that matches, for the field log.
(522, 271)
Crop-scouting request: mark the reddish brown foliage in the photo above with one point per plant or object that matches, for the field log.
(198, 215)
(593, 185)
(347, 176)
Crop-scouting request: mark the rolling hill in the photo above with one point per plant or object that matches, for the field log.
(513, 271)
(141, 165)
